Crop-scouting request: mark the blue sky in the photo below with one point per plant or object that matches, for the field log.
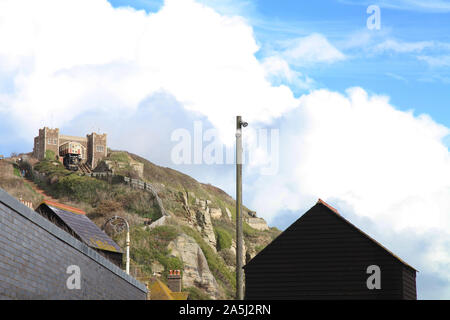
(362, 116)
(409, 81)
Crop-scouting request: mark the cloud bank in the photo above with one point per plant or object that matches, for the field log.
(386, 170)
(84, 55)
(84, 64)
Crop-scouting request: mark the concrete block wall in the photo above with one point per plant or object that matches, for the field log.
(35, 255)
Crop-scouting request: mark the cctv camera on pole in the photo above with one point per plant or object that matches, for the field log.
(239, 235)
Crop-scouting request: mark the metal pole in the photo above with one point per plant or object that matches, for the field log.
(239, 235)
(127, 243)
(128, 249)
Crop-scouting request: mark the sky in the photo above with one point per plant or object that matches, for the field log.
(346, 100)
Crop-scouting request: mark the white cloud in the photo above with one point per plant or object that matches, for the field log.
(278, 70)
(69, 57)
(436, 61)
(363, 155)
(363, 151)
(314, 48)
(392, 45)
(412, 5)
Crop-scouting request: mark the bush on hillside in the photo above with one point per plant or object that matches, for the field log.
(196, 294)
(223, 238)
(50, 155)
(78, 188)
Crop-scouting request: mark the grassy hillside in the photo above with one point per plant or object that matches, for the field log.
(181, 196)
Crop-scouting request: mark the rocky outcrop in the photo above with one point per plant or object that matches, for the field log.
(216, 213)
(233, 249)
(228, 213)
(158, 223)
(196, 271)
(200, 217)
(257, 223)
(205, 227)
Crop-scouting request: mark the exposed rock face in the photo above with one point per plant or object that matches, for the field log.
(112, 166)
(138, 168)
(233, 249)
(205, 227)
(201, 218)
(257, 223)
(216, 213)
(228, 213)
(158, 223)
(196, 271)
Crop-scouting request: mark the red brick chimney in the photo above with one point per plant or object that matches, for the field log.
(174, 280)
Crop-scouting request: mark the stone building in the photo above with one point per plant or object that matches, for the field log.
(93, 146)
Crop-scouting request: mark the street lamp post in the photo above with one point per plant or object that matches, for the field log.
(119, 228)
(239, 234)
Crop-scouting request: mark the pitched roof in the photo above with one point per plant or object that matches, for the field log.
(336, 213)
(159, 291)
(63, 207)
(76, 220)
(320, 201)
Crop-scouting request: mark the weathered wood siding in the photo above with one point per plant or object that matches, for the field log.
(409, 284)
(322, 256)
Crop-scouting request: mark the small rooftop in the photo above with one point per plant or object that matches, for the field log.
(77, 222)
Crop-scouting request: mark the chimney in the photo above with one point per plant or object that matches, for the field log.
(174, 280)
(29, 204)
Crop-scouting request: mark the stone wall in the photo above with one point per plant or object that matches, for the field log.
(257, 223)
(52, 140)
(39, 145)
(35, 255)
(97, 148)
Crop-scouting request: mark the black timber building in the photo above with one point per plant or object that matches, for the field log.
(323, 256)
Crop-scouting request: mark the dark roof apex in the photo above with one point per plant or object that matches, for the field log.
(328, 206)
(320, 201)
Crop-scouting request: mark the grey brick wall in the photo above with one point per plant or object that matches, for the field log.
(35, 254)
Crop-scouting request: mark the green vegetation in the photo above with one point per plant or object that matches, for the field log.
(79, 188)
(101, 195)
(120, 156)
(139, 202)
(51, 168)
(259, 248)
(249, 231)
(223, 238)
(102, 199)
(151, 246)
(50, 155)
(17, 172)
(196, 294)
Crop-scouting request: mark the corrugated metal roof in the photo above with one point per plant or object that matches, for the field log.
(87, 230)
